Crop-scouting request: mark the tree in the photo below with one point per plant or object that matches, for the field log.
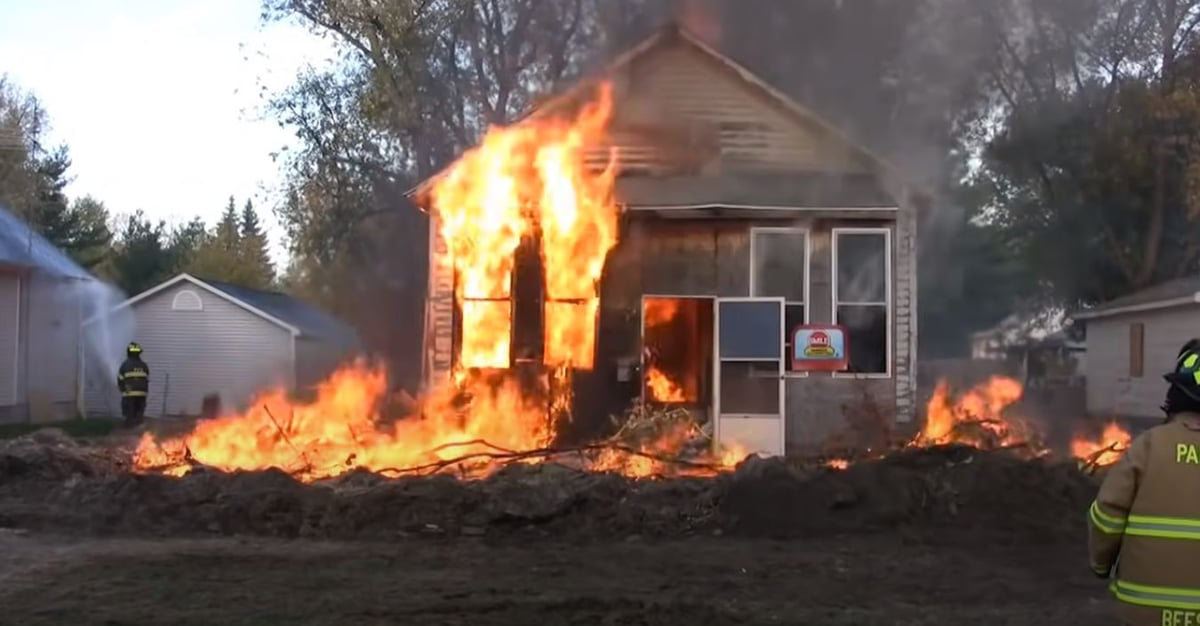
(22, 128)
(259, 270)
(142, 258)
(234, 251)
(79, 228)
(1093, 170)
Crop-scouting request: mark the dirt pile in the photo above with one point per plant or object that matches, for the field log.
(51, 483)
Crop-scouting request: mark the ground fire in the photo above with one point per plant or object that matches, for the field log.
(528, 185)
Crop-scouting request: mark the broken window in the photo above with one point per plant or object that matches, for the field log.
(779, 269)
(861, 289)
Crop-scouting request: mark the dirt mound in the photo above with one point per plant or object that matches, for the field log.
(55, 485)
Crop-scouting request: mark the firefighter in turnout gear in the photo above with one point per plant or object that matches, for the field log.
(133, 379)
(1144, 526)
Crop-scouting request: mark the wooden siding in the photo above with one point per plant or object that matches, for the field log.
(10, 299)
(1111, 390)
(904, 308)
(222, 349)
(439, 312)
(677, 109)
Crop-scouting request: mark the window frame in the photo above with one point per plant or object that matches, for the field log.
(806, 284)
(888, 303)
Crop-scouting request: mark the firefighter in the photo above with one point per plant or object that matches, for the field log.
(1144, 526)
(133, 379)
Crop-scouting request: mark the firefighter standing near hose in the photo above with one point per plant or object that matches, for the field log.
(133, 379)
(1144, 529)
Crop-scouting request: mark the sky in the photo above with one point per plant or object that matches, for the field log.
(160, 101)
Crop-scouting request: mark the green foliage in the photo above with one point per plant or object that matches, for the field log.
(235, 251)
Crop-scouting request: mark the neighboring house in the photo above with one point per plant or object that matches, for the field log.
(44, 296)
(760, 214)
(205, 337)
(1037, 348)
(1132, 341)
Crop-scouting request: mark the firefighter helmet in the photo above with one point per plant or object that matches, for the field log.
(1186, 375)
(133, 348)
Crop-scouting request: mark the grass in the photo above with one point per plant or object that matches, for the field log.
(78, 428)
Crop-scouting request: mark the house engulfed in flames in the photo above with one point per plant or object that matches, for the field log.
(654, 235)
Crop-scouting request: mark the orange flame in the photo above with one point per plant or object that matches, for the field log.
(524, 183)
(1106, 450)
(980, 407)
(520, 182)
(662, 388)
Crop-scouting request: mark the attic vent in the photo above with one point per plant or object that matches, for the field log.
(187, 300)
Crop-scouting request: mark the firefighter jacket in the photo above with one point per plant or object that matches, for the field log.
(1145, 525)
(133, 379)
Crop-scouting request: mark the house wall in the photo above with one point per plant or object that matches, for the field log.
(10, 294)
(704, 116)
(712, 258)
(52, 316)
(222, 348)
(677, 110)
(1111, 389)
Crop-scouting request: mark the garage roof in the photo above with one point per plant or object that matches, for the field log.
(289, 312)
(1178, 292)
(21, 245)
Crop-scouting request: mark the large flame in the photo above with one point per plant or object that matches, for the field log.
(530, 182)
(523, 184)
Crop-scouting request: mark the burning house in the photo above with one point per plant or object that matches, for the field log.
(663, 234)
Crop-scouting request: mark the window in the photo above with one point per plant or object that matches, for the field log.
(862, 291)
(1137, 338)
(187, 300)
(779, 269)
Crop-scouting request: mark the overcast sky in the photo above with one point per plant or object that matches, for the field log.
(159, 100)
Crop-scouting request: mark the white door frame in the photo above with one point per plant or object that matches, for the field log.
(718, 358)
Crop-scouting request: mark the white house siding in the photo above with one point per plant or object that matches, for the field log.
(10, 298)
(53, 319)
(1111, 391)
(222, 348)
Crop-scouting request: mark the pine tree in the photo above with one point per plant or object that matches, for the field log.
(259, 272)
(228, 231)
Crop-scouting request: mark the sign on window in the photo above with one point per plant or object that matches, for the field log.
(820, 347)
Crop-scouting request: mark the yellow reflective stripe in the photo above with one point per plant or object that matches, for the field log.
(1162, 597)
(1163, 527)
(1196, 376)
(135, 374)
(133, 393)
(1190, 360)
(1105, 522)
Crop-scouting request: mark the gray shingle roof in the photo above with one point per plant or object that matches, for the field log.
(1176, 289)
(21, 245)
(310, 320)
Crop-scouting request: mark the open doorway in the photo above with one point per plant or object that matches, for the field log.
(677, 349)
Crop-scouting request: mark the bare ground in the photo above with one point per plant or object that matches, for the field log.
(840, 581)
(939, 536)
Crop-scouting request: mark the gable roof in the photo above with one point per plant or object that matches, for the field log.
(287, 312)
(1177, 292)
(311, 321)
(668, 35)
(20, 244)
